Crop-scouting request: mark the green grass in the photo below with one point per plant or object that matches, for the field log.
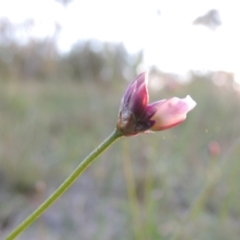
(143, 187)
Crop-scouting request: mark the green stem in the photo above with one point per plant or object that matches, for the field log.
(66, 184)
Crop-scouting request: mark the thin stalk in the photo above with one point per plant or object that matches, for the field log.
(66, 184)
(132, 194)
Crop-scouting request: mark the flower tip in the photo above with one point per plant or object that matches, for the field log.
(190, 102)
(143, 77)
(146, 76)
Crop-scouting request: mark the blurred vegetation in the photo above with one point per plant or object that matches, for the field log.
(144, 187)
(39, 59)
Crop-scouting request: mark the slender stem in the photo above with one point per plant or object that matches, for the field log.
(66, 184)
(132, 194)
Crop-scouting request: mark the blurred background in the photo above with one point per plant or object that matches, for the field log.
(64, 66)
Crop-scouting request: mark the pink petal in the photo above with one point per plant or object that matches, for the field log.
(135, 99)
(133, 107)
(170, 112)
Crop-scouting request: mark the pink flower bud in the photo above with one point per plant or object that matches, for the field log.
(135, 115)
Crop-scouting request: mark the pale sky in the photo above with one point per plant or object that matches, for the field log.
(169, 39)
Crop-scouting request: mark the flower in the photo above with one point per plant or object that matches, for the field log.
(136, 115)
(214, 149)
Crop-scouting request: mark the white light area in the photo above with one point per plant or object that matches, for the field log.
(180, 46)
(45, 13)
(39, 10)
(169, 40)
(119, 21)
